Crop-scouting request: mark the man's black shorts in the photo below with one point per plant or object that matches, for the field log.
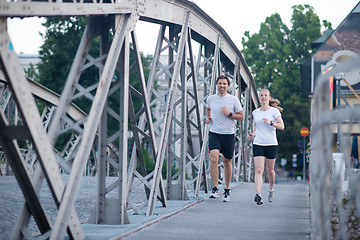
(269, 152)
(223, 142)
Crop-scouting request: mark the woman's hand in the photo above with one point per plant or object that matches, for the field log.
(251, 136)
(266, 121)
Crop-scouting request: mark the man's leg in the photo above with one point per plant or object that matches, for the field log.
(227, 172)
(214, 171)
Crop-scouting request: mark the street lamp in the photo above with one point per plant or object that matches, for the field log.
(338, 77)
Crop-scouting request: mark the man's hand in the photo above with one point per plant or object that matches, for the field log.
(207, 120)
(225, 111)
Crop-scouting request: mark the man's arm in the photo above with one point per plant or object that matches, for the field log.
(239, 116)
(208, 116)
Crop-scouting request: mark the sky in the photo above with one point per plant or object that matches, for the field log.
(234, 16)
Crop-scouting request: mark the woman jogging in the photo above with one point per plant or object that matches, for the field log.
(267, 119)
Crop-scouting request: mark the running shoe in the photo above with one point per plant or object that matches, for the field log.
(271, 195)
(215, 193)
(226, 196)
(257, 199)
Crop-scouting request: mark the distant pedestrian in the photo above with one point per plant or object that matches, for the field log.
(222, 110)
(267, 119)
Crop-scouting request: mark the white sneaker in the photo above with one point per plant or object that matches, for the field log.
(215, 193)
(226, 196)
(271, 195)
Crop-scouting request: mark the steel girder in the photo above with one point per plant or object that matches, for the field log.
(178, 136)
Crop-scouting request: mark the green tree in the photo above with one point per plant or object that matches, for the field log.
(266, 51)
(274, 56)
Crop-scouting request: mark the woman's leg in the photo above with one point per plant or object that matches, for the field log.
(259, 162)
(270, 168)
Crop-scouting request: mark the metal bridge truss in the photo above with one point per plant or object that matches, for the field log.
(197, 50)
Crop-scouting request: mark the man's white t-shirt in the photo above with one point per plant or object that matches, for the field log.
(265, 134)
(220, 123)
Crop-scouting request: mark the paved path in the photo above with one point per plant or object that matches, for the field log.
(286, 218)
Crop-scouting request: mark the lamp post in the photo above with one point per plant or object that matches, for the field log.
(338, 77)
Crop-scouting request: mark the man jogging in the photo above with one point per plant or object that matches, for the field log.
(222, 110)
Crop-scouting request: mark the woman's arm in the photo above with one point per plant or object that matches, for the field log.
(251, 135)
(279, 124)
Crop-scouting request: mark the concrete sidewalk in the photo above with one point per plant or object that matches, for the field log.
(288, 217)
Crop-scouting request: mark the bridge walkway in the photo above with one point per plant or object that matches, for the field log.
(288, 217)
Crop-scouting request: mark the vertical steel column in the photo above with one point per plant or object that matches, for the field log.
(239, 132)
(247, 162)
(214, 71)
(102, 145)
(177, 151)
(123, 129)
(183, 126)
(194, 120)
(168, 114)
(101, 170)
(173, 47)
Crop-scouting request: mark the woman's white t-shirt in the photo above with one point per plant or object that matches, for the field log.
(265, 134)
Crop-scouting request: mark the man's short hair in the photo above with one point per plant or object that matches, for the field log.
(223, 77)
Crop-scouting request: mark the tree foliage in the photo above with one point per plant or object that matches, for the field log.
(274, 56)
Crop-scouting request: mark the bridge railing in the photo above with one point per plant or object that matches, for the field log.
(334, 180)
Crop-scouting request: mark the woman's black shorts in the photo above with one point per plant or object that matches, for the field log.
(269, 152)
(223, 142)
